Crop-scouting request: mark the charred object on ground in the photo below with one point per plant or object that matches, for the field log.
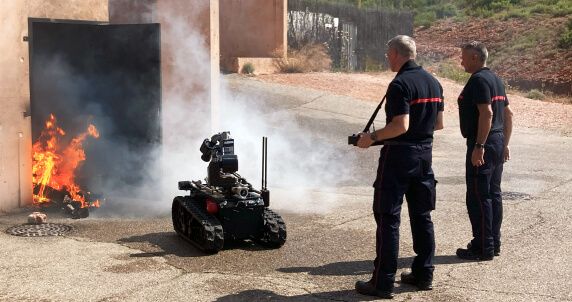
(61, 200)
(226, 207)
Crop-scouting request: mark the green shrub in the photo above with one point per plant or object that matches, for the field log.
(499, 5)
(446, 11)
(461, 18)
(565, 40)
(451, 71)
(515, 14)
(527, 40)
(247, 68)
(563, 8)
(541, 9)
(535, 94)
(479, 12)
(425, 18)
(487, 8)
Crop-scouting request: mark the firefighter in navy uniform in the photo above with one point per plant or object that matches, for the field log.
(414, 110)
(486, 123)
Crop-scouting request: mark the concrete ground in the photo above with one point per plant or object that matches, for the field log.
(113, 259)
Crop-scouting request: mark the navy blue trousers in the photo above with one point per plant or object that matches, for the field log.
(484, 200)
(404, 171)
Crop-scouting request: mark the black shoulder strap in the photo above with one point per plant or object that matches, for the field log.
(372, 118)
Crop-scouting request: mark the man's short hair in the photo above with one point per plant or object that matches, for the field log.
(404, 45)
(477, 47)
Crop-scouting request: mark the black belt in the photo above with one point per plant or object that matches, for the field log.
(398, 143)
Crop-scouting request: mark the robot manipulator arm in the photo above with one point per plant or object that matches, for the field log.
(223, 162)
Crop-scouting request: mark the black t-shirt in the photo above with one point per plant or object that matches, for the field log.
(483, 87)
(415, 92)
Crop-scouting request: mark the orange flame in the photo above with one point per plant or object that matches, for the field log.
(54, 166)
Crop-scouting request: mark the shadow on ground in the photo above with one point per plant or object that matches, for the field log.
(347, 295)
(348, 268)
(169, 243)
(362, 267)
(265, 295)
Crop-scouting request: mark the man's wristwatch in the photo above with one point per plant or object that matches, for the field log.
(479, 146)
(372, 136)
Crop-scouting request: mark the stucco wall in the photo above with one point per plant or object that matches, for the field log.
(180, 20)
(132, 11)
(190, 30)
(15, 129)
(253, 28)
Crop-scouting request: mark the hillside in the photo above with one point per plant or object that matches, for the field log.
(530, 41)
(523, 52)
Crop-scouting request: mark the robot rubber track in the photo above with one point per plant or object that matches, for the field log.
(274, 233)
(193, 224)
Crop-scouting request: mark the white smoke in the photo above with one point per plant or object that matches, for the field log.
(302, 168)
(299, 164)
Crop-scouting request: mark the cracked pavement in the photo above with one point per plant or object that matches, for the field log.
(121, 259)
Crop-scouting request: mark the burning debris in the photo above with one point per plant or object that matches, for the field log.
(74, 208)
(54, 168)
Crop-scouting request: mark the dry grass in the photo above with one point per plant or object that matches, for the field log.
(554, 113)
(307, 59)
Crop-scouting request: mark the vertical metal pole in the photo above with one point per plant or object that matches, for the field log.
(265, 161)
(265, 194)
(262, 173)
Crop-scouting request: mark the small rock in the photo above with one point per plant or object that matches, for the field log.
(37, 218)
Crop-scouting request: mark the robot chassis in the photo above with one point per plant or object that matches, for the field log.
(226, 207)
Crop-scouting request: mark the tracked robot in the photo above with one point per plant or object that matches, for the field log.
(226, 207)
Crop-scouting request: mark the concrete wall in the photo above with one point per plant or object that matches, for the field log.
(182, 78)
(15, 129)
(132, 11)
(252, 29)
(178, 19)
